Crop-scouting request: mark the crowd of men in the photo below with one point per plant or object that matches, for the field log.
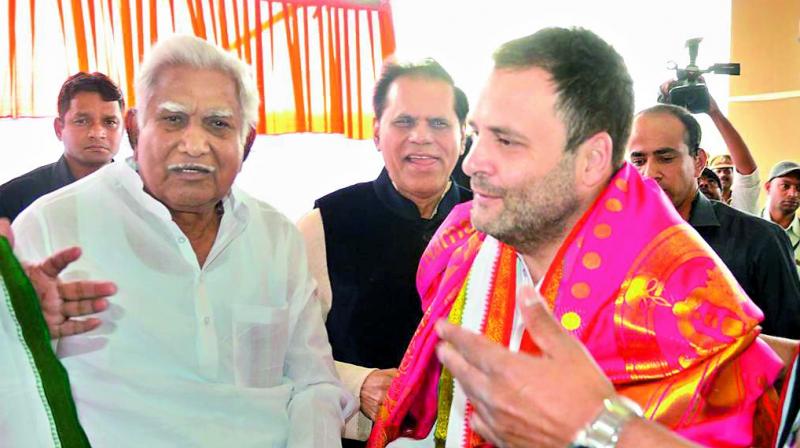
(592, 286)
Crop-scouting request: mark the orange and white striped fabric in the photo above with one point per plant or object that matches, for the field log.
(315, 61)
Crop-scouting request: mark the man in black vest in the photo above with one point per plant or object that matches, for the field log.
(89, 123)
(365, 241)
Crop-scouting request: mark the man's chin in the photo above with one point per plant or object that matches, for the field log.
(482, 221)
(790, 210)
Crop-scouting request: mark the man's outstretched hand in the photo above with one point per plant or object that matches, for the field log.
(523, 400)
(63, 302)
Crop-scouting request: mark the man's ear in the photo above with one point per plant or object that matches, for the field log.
(594, 161)
(132, 128)
(767, 185)
(248, 143)
(463, 140)
(700, 161)
(376, 135)
(58, 126)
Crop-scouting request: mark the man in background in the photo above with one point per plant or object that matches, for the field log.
(709, 184)
(89, 123)
(739, 190)
(665, 146)
(738, 172)
(365, 241)
(783, 192)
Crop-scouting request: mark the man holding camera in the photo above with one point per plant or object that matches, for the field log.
(737, 172)
(665, 146)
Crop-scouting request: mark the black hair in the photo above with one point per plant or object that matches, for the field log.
(426, 68)
(595, 91)
(88, 82)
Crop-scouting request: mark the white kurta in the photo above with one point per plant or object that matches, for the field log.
(233, 353)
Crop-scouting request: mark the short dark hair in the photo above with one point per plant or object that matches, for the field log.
(692, 132)
(595, 91)
(88, 82)
(426, 68)
(709, 174)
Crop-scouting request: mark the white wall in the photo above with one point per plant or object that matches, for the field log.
(291, 171)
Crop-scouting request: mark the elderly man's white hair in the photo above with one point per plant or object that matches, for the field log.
(191, 51)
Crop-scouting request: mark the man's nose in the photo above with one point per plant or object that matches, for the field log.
(420, 134)
(194, 141)
(648, 169)
(475, 161)
(97, 130)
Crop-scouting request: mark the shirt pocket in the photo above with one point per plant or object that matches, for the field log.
(260, 338)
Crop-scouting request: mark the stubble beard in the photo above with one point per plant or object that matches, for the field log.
(787, 210)
(536, 215)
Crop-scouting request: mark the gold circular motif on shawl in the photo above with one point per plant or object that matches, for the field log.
(602, 231)
(591, 260)
(571, 320)
(581, 290)
(614, 205)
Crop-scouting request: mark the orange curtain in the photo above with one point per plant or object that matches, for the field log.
(315, 61)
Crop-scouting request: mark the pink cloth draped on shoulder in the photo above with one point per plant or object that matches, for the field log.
(653, 304)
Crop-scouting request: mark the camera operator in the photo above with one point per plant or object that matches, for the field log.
(738, 171)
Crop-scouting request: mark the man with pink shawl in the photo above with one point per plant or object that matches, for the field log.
(556, 208)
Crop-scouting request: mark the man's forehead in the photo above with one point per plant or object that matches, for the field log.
(511, 94)
(188, 108)
(790, 178)
(657, 130)
(82, 103)
(420, 94)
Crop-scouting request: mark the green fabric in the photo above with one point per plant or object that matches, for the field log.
(53, 379)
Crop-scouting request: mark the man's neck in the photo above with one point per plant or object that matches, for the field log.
(80, 170)
(539, 259)
(726, 195)
(780, 219)
(427, 205)
(201, 229)
(685, 208)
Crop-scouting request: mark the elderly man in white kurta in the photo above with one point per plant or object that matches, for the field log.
(214, 337)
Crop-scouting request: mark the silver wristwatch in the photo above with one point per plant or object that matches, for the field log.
(604, 430)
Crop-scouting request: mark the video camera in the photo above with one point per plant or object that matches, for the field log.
(689, 90)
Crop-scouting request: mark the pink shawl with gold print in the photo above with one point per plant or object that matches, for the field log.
(652, 303)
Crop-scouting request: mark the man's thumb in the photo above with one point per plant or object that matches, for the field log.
(542, 327)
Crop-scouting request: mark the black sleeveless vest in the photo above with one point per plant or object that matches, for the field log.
(374, 238)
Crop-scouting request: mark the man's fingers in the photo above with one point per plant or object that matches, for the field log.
(5, 230)
(72, 327)
(78, 308)
(474, 382)
(56, 263)
(478, 423)
(476, 349)
(86, 289)
(540, 323)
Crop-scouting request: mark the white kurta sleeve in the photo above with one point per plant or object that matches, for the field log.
(31, 240)
(320, 403)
